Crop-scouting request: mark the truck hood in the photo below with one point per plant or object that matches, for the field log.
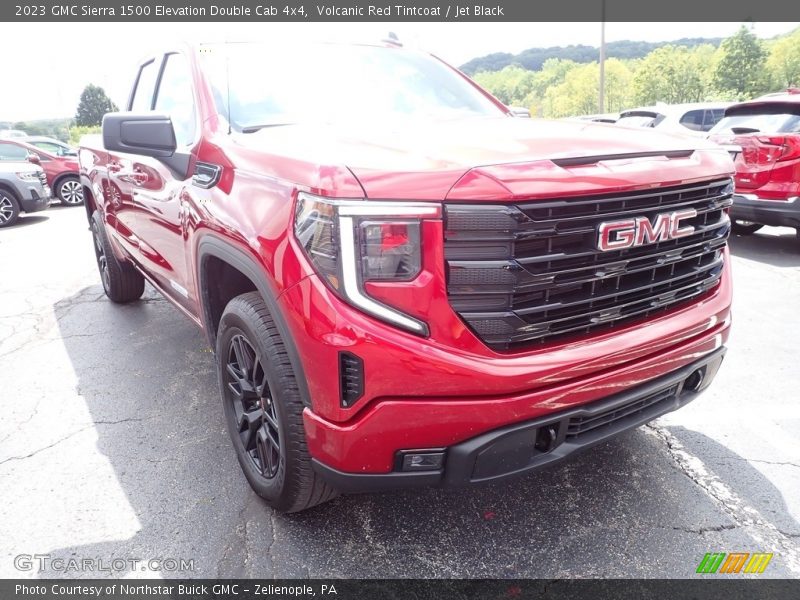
(497, 158)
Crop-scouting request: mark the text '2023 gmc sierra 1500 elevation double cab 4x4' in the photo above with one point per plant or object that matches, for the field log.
(403, 283)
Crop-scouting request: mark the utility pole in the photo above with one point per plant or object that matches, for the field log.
(602, 94)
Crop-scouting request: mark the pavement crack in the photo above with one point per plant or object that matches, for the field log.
(25, 422)
(273, 532)
(703, 530)
(763, 532)
(767, 462)
(70, 435)
(35, 452)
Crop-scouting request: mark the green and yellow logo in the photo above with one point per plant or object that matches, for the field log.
(735, 562)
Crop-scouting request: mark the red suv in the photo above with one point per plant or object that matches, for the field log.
(61, 171)
(403, 284)
(763, 136)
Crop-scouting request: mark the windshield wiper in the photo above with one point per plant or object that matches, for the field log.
(254, 128)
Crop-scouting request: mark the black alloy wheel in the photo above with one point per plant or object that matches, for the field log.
(253, 406)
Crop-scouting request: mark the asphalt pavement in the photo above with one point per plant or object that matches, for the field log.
(113, 448)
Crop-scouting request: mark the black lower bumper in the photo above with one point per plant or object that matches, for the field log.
(35, 203)
(766, 212)
(535, 444)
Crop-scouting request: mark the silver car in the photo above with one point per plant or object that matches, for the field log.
(23, 188)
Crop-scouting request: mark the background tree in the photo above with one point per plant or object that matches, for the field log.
(784, 61)
(93, 105)
(671, 74)
(741, 67)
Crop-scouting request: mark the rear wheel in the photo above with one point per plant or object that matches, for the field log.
(121, 282)
(9, 209)
(263, 409)
(70, 192)
(741, 227)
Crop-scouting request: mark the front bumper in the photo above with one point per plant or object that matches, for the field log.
(35, 200)
(518, 449)
(777, 213)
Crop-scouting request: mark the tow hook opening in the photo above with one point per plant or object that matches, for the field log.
(546, 438)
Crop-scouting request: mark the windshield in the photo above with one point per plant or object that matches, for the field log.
(256, 86)
(777, 123)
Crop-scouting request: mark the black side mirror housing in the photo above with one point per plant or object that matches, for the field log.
(146, 134)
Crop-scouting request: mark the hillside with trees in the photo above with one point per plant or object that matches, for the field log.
(533, 59)
(566, 81)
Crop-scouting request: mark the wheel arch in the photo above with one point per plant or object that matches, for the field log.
(10, 190)
(62, 176)
(89, 202)
(213, 251)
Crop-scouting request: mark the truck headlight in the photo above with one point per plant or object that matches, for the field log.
(350, 242)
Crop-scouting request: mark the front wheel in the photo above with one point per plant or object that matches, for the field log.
(70, 192)
(121, 282)
(741, 227)
(9, 209)
(263, 409)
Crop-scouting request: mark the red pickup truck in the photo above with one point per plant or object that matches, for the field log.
(404, 284)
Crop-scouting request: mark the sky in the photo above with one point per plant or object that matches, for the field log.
(52, 68)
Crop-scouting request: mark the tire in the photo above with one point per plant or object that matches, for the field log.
(745, 227)
(121, 282)
(9, 208)
(263, 409)
(69, 191)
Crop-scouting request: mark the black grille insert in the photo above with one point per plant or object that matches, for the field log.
(578, 426)
(530, 272)
(351, 378)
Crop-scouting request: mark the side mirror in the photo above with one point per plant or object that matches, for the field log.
(146, 134)
(34, 158)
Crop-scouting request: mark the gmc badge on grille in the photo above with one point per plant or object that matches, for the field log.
(639, 231)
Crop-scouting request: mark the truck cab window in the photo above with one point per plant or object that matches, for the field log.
(146, 82)
(175, 98)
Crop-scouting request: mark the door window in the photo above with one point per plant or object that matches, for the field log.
(175, 98)
(12, 152)
(142, 100)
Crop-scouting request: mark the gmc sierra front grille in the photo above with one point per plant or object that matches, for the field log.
(526, 273)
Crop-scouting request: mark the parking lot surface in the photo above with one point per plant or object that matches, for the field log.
(113, 445)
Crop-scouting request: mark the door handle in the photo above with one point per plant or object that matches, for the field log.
(134, 177)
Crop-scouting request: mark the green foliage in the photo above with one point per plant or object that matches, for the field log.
(510, 85)
(93, 105)
(55, 128)
(578, 93)
(77, 131)
(673, 75)
(741, 65)
(783, 63)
